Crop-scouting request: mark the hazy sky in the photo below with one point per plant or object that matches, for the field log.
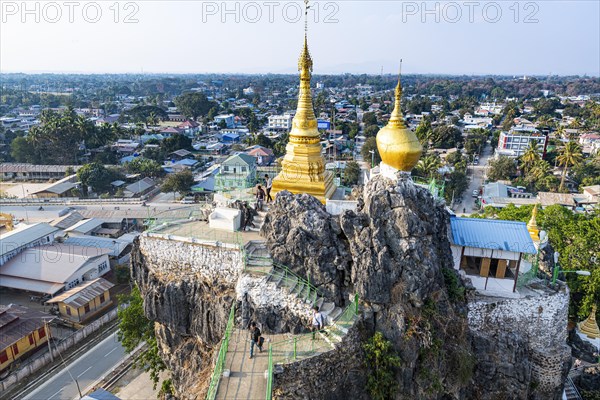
(469, 37)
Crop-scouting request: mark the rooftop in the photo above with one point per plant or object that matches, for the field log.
(491, 234)
(82, 294)
(17, 321)
(24, 234)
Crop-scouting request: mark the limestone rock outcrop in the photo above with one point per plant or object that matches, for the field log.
(190, 313)
(303, 236)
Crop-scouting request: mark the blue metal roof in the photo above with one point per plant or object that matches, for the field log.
(492, 234)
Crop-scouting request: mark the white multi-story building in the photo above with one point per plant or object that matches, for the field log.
(280, 122)
(515, 142)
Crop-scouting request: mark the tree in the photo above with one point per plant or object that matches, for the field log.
(21, 151)
(96, 176)
(570, 156)
(262, 140)
(143, 113)
(369, 118)
(428, 166)
(135, 328)
(530, 156)
(176, 142)
(351, 173)
(145, 167)
(371, 131)
(446, 137)
(456, 184)
(423, 131)
(179, 182)
(58, 138)
(370, 145)
(193, 104)
(381, 361)
(501, 168)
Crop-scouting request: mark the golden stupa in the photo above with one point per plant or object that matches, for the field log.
(303, 166)
(398, 146)
(589, 327)
(532, 226)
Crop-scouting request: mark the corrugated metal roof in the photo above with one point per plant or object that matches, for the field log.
(83, 294)
(24, 235)
(492, 234)
(51, 263)
(85, 226)
(17, 322)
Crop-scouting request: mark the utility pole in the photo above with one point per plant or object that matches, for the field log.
(48, 340)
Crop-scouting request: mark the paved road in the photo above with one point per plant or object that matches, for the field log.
(476, 174)
(86, 369)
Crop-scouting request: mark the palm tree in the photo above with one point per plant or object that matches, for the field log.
(429, 165)
(571, 155)
(540, 169)
(530, 156)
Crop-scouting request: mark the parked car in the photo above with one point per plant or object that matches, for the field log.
(476, 193)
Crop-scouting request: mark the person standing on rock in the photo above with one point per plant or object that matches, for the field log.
(268, 186)
(254, 338)
(318, 322)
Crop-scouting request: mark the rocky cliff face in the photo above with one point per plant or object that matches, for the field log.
(190, 310)
(392, 252)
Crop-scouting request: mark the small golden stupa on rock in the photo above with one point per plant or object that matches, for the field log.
(303, 166)
(398, 146)
(532, 226)
(589, 327)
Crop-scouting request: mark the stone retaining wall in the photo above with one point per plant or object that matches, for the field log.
(168, 254)
(540, 322)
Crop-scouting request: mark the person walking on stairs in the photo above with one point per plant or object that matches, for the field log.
(260, 198)
(255, 339)
(318, 322)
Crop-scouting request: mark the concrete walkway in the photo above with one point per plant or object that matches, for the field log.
(247, 379)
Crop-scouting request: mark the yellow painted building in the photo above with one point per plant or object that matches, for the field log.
(84, 301)
(22, 331)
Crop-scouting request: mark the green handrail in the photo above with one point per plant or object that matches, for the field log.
(270, 375)
(220, 364)
(303, 346)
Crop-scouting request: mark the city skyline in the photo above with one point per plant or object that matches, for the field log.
(469, 38)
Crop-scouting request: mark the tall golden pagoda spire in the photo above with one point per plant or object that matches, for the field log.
(303, 166)
(532, 226)
(398, 146)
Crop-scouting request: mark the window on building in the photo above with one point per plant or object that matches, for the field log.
(31, 339)
(86, 309)
(68, 310)
(102, 298)
(243, 169)
(15, 349)
(226, 168)
(3, 357)
(42, 332)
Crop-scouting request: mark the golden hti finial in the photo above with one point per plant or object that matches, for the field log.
(305, 62)
(589, 327)
(532, 226)
(396, 118)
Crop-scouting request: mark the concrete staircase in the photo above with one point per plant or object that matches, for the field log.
(259, 219)
(258, 259)
(302, 290)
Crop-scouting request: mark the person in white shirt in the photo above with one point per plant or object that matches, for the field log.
(318, 322)
(268, 186)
